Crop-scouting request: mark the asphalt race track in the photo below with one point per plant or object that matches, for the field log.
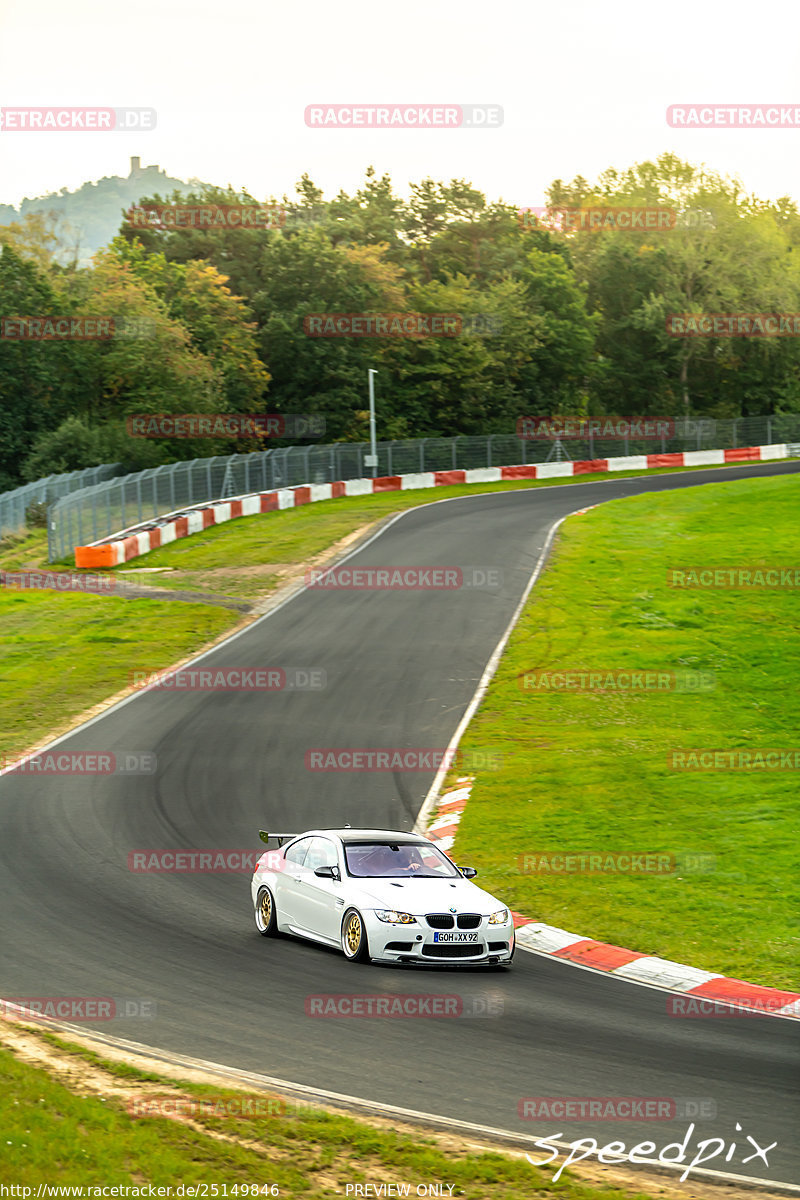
(401, 669)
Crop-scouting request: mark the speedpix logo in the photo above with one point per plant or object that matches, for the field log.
(646, 1152)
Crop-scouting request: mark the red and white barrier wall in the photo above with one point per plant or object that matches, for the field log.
(113, 551)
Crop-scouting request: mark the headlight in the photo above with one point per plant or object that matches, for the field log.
(499, 918)
(394, 918)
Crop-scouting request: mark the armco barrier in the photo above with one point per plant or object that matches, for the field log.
(131, 543)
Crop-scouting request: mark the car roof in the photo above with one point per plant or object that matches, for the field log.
(366, 835)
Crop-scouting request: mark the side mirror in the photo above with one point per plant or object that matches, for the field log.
(468, 872)
(327, 872)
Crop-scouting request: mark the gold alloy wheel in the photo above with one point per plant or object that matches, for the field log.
(265, 908)
(352, 933)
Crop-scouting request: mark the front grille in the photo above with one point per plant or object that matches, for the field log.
(469, 920)
(440, 920)
(469, 950)
(399, 946)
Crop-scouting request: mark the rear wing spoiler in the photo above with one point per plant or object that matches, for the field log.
(279, 837)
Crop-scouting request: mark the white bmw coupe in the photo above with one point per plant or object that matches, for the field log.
(381, 895)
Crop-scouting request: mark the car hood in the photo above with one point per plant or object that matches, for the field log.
(419, 896)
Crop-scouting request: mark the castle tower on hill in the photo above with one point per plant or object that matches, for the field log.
(137, 169)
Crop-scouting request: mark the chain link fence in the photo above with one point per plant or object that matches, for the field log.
(107, 508)
(15, 505)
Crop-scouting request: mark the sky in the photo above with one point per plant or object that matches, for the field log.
(583, 86)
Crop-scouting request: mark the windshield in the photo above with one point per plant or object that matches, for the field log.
(380, 860)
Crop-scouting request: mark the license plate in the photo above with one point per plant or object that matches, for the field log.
(455, 937)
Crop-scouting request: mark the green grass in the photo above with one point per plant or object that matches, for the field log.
(62, 653)
(52, 1135)
(588, 771)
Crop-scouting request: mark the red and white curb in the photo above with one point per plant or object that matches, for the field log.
(704, 986)
(114, 551)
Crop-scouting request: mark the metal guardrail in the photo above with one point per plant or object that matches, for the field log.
(99, 511)
(14, 505)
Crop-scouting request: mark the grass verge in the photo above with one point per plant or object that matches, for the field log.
(67, 1118)
(587, 771)
(62, 654)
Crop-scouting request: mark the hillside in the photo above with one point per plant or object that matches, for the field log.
(89, 217)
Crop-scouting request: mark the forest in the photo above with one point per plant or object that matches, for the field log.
(492, 311)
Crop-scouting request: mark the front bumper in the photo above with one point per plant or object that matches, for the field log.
(415, 944)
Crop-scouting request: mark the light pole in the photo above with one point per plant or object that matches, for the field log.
(372, 458)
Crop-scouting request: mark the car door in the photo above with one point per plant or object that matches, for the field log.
(319, 899)
(289, 882)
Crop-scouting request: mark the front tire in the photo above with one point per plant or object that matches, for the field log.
(354, 937)
(266, 915)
